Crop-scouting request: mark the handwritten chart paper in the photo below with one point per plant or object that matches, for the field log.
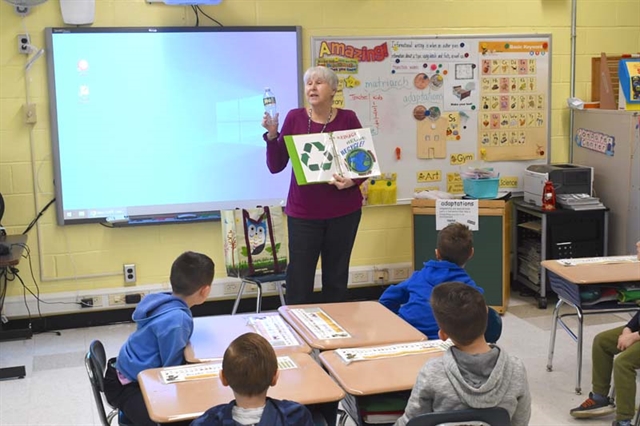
(208, 370)
(320, 324)
(599, 260)
(275, 330)
(362, 354)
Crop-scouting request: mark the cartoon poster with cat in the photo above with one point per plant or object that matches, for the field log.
(253, 241)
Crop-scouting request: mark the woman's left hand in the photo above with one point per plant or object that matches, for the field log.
(341, 182)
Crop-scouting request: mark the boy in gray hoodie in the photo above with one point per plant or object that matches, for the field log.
(472, 373)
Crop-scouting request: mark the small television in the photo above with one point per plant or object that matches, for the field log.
(147, 122)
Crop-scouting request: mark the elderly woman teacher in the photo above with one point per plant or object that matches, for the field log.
(322, 218)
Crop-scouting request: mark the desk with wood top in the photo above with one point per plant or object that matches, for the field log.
(596, 273)
(212, 335)
(566, 281)
(372, 377)
(308, 384)
(369, 324)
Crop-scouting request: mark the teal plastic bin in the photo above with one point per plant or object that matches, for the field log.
(481, 188)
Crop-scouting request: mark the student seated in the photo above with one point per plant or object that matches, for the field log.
(620, 341)
(250, 367)
(410, 299)
(164, 325)
(471, 373)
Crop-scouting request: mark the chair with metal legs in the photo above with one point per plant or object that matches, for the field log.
(279, 279)
(569, 294)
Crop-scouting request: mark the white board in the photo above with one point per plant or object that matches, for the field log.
(437, 104)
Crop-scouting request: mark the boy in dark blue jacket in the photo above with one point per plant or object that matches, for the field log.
(250, 367)
(410, 299)
(164, 327)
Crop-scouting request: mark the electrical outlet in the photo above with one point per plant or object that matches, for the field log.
(381, 276)
(24, 41)
(269, 287)
(130, 273)
(250, 289)
(30, 116)
(231, 288)
(90, 301)
(358, 277)
(116, 300)
(400, 274)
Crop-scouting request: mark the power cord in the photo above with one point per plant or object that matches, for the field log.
(203, 12)
(38, 216)
(195, 10)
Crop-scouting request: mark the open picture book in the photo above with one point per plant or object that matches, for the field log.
(318, 156)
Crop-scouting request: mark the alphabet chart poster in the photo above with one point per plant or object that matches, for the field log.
(437, 105)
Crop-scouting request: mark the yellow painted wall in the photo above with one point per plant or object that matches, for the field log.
(612, 26)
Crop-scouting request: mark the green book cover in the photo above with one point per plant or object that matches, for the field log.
(317, 157)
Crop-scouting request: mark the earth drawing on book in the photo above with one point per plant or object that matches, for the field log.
(360, 161)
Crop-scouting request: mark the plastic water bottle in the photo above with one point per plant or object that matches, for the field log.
(270, 106)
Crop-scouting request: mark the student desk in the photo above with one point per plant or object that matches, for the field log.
(308, 384)
(565, 281)
(372, 377)
(212, 335)
(369, 323)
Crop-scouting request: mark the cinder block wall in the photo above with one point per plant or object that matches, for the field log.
(612, 26)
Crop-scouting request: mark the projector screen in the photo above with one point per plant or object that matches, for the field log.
(147, 122)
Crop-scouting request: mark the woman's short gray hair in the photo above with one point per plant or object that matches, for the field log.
(324, 73)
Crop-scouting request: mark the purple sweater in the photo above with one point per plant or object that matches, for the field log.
(315, 201)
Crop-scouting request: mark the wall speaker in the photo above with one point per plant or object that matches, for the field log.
(78, 12)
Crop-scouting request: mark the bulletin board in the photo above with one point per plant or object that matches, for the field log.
(438, 104)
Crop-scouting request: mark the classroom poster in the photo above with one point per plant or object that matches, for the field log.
(434, 111)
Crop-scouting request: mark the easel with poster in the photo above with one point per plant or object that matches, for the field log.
(437, 104)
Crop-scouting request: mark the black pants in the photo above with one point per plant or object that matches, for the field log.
(127, 398)
(308, 240)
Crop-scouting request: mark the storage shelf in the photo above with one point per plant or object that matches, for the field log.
(533, 226)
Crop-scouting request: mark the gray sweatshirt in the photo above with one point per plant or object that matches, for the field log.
(458, 381)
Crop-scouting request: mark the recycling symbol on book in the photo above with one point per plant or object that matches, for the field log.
(306, 157)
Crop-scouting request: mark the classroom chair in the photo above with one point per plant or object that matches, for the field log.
(496, 416)
(96, 364)
(612, 395)
(279, 279)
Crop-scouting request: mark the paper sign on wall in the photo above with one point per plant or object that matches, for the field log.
(461, 211)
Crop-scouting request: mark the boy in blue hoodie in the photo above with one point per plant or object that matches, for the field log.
(164, 326)
(410, 299)
(250, 367)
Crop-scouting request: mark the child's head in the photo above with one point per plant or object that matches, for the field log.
(249, 365)
(455, 244)
(460, 312)
(192, 273)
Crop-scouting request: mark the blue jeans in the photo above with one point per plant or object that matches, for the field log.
(494, 326)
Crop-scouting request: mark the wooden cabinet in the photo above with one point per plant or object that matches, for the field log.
(490, 265)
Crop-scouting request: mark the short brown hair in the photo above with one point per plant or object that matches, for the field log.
(249, 364)
(190, 272)
(455, 243)
(460, 311)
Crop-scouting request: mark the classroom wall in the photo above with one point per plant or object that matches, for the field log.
(612, 26)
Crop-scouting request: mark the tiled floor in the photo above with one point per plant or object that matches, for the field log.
(56, 390)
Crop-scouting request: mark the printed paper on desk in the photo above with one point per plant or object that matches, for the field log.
(599, 260)
(316, 157)
(363, 354)
(208, 370)
(275, 330)
(190, 372)
(320, 324)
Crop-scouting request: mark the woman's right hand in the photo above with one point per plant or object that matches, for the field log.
(271, 125)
